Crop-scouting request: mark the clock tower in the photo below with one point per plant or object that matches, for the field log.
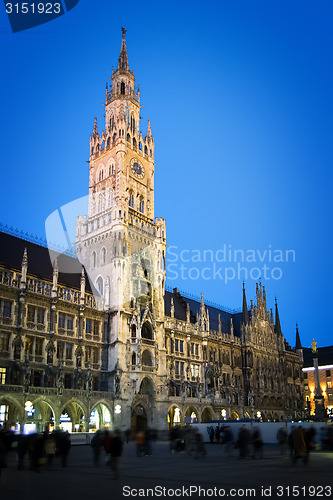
(122, 245)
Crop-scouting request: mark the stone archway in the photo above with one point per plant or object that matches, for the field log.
(191, 415)
(234, 415)
(100, 417)
(174, 416)
(206, 415)
(43, 417)
(11, 413)
(73, 417)
(147, 387)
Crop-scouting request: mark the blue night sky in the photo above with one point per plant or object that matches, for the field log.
(239, 95)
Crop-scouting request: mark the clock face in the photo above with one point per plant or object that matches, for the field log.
(137, 168)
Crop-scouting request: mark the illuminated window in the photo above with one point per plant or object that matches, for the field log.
(2, 376)
(329, 384)
(28, 345)
(3, 413)
(88, 354)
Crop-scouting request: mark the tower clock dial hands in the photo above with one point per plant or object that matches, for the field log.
(137, 169)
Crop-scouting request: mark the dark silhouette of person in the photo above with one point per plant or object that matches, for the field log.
(116, 450)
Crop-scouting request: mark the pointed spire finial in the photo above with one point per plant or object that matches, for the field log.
(277, 319)
(149, 134)
(298, 339)
(123, 58)
(95, 130)
(245, 316)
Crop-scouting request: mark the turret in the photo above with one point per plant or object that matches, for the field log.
(24, 270)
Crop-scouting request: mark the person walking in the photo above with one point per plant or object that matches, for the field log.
(257, 443)
(282, 439)
(116, 450)
(96, 444)
(243, 441)
(299, 446)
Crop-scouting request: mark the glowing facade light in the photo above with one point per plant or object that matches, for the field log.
(117, 409)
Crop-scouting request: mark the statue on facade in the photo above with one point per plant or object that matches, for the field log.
(89, 381)
(60, 378)
(26, 375)
(117, 385)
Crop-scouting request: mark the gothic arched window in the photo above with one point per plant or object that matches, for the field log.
(140, 146)
(122, 88)
(134, 142)
(142, 205)
(93, 259)
(99, 286)
(131, 200)
(103, 256)
(146, 150)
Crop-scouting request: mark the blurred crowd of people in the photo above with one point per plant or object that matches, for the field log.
(37, 450)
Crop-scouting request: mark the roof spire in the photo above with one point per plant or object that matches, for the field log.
(298, 339)
(245, 317)
(149, 134)
(277, 319)
(123, 58)
(95, 130)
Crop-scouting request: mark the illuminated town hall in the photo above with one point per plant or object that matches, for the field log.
(98, 341)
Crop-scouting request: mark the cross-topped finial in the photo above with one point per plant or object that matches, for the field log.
(123, 31)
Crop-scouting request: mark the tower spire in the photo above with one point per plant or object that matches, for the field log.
(245, 317)
(277, 320)
(298, 339)
(123, 58)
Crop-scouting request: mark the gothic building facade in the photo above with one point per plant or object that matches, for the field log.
(105, 343)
